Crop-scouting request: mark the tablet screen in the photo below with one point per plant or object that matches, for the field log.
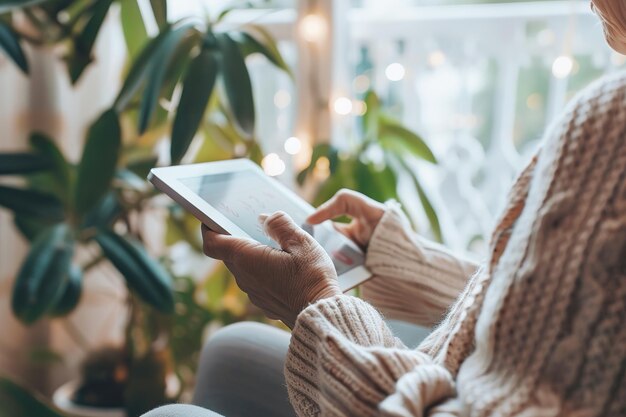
(242, 196)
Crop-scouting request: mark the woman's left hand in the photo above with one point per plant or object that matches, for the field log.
(280, 282)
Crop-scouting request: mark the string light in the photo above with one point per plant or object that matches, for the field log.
(293, 145)
(313, 28)
(282, 99)
(273, 165)
(321, 171)
(562, 66)
(359, 108)
(395, 71)
(342, 106)
(436, 59)
(534, 101)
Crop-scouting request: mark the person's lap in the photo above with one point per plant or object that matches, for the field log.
(240, 374)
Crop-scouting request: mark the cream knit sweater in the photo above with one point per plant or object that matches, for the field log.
(539, 330)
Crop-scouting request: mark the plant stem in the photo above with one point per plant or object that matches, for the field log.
(76, 334)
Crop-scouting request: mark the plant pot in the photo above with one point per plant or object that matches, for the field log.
(62, 399)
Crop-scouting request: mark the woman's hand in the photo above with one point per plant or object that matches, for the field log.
(365, 212)
(280, 282)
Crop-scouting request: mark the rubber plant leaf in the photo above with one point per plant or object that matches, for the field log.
(31, 203)
(98, 162)
(197, 88)
(43, 276)
(23, 163)
(237, 83)
(144, 276)
(18, 401)
(71, 293)
(59, 178)
(10, 44)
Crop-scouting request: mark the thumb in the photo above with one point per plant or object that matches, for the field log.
(281, 228)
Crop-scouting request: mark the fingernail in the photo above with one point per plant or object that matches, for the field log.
(262, 218)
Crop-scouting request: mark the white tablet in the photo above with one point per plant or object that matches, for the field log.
(229, 196)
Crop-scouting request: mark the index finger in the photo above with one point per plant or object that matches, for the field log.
(225, 247)
(345, 202)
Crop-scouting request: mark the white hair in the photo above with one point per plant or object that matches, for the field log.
(613, 15)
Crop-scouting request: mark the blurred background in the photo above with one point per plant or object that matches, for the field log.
(436, 103)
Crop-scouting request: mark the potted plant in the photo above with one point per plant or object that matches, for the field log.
(98, 202)
(384, 152)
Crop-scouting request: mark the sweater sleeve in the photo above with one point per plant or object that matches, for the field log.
(415, 280)
(344, 361)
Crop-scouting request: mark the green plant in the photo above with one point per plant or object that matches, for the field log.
(392, 146)
(64, 207)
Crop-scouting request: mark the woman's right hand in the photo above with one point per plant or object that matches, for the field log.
(365, 213)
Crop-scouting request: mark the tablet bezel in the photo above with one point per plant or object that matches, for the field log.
(167, 179)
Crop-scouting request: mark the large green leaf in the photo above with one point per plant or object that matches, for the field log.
(59, 180)
(371, 116)
(157, 71)
(10, 43)
(237, 83)
(136, 75)
(159, 10)
(104, 212)
(18, 402)
(81, 56)
(264, 44)
(144, 276)
(71, 294)
(44, 274)
(401, 140)
(323, 149)
(135, 33)
(427, 206)
(97, 165)
(22, 163)
(31, 203)
(30, 226)
(197, 88)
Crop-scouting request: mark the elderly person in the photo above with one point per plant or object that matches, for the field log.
(536, 330)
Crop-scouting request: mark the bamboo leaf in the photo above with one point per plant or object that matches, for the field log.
(144, 276)
(371, 116)
(159, 9)
(44, 274)
(18, 402)
(136, 75)
(427, 206)
(237, 83)
(156, 73)
(399, 139)
(98, 162)
(31, 203)
(81, 57)
(264, 44)
(10, 43)
(197, 88)
(133, 26)
(23, 163)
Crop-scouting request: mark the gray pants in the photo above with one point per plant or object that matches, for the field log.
(240, 375)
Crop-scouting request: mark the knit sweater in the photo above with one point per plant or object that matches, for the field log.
(538, 330)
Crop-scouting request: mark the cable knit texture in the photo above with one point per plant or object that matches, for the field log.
(538, 330)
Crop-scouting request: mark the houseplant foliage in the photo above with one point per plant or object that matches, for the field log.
(393, 146)
(95, 205)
